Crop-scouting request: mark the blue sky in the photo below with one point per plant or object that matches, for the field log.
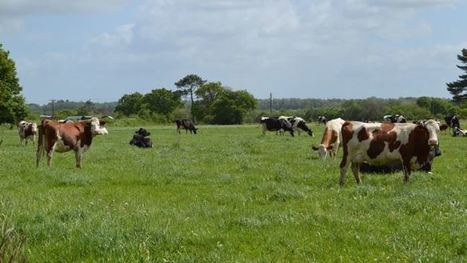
(101, 50)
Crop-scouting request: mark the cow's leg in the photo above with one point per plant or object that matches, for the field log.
(38, 154)
(356, 172)
(49, 157)
(78, 157)
(345, 163)
(406, 170)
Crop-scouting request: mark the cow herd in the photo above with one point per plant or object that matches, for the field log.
(392, 145)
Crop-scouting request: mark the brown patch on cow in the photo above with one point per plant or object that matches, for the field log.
(326, 137)
(333, 137)
(329, 137)
(417, 146)
(363, 134)
(347, 133)
(387, 126)
(380, 138)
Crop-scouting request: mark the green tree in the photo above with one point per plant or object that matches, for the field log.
(188, 86)
(12, 103)
(424, 102)
(458, 88)
(88, 108)
(207, 94)
(230, 107)
(162, 101)
(129, 104)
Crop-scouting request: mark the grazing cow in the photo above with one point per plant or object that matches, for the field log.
(331, 139)
(275, 124)
(63, 137)
(187, 125)
(322, 119)
(27, 131)
(141, 139)
(384, 143)
(395, 118)
(298, 124)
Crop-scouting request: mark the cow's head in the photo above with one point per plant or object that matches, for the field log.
(433, 129)
(33, 128)
(96, 128)
(194, 130)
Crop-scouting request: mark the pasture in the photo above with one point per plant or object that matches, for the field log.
(228, 194)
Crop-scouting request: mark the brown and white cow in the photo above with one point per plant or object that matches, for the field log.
(27, 131)
(64, 137)
(382, 143)
(331, 139)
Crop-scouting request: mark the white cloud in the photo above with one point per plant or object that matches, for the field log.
(259, 44)
(34, 7)
(121, 37)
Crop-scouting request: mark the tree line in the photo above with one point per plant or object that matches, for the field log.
(372, 108)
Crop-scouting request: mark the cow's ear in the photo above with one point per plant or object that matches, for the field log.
(102, 123)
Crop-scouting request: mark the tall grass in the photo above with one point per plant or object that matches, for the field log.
(228, 194)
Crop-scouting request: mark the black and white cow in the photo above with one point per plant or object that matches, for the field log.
(276, 124)
(453, 123)
(298, 124)
(186, 124)
(322, 119)
(395, 118)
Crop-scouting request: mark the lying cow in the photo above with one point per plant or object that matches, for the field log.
(141, 139)
(379, 144)
(298, 124)
(64, 137)
(331, 139)
(275, 124)
(459, 132)
(27, 131)
(187, 125)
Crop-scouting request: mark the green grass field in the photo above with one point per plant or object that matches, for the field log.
(228, 194)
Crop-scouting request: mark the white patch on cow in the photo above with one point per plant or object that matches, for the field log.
(60, 146)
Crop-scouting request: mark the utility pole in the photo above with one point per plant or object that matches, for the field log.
(270, 103)
(53, 109)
